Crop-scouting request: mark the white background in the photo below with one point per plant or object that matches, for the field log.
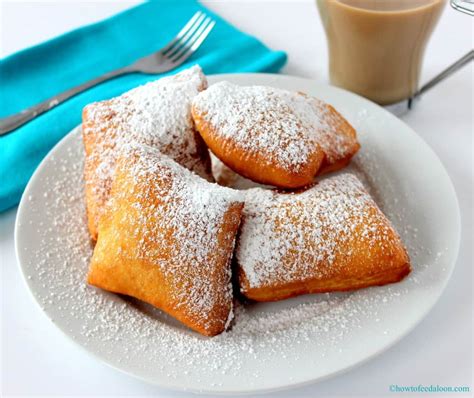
(38, 360)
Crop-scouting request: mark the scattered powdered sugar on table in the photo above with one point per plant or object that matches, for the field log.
(287, 127)
(145, 340)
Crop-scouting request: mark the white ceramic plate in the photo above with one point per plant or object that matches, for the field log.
(273, 345)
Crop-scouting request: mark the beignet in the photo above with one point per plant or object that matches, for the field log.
(167, 238)
(156, 114)
(332, 237)
(273, 136)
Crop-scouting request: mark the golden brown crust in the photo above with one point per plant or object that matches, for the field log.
(334, 161)
(145, 281)
(95, 199)
(156, 114)
(315, 285)
(331, 237)
(227, 177)
(249, 165)
(272, 136)
(167, 237)
(98, 127)
(160, 244)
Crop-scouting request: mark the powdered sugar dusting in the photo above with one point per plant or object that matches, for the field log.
(186, 238)
(309, 330)
(156, 114)
(286, 127)
(285, 236)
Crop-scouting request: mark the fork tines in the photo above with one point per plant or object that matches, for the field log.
(189, 38)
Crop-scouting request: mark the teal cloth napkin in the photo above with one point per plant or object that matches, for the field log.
(40, 72)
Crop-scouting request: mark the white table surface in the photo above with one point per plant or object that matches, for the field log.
(38, 360)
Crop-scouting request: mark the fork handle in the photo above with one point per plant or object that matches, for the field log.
(447, 72)
(10, 123)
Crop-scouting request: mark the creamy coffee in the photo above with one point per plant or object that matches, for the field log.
(376, 47)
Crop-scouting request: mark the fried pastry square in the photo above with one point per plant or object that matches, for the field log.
(332, 237)
(156, 114)
(273, 136)
(167, 238)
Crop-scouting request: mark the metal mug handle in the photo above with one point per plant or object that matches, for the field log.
(447, 72)
(402, 107)
(466, 6)
(459, 5)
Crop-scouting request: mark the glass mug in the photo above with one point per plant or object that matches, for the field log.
(376, 47)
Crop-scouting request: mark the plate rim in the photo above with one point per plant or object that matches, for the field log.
(166, 384)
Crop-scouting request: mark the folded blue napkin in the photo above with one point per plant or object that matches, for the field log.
(40, 72)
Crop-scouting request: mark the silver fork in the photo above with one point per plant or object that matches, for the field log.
(170, 57)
